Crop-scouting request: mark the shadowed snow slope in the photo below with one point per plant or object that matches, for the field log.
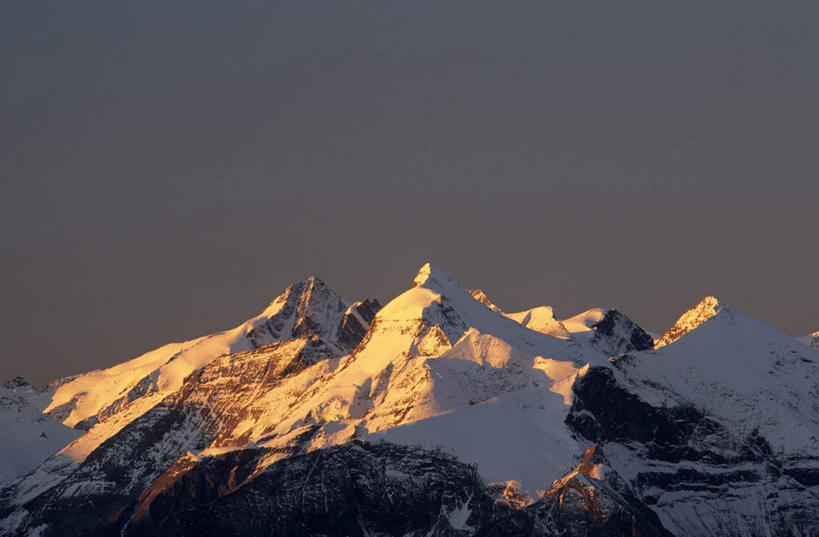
(517, 436)
(28, 436)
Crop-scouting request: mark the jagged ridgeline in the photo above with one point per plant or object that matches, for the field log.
(438, 414)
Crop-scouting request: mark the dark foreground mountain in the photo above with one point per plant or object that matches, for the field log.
(439, 414)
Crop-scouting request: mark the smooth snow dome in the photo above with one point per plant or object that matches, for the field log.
(516, 436)
(586, 321)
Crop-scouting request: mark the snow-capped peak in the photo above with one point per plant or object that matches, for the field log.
(296, 291)
(307, 307)
(707, 308)
(432, 277)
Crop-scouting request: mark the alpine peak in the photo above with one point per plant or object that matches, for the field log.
(707, 308)
(429, 275)
(306, 285)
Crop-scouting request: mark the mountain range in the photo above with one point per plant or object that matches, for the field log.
(437, 414)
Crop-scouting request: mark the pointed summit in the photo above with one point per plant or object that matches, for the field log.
(296, 291)
(311, 307)
(707, 308)
(432, 276)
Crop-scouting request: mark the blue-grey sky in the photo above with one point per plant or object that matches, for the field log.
(166, 168)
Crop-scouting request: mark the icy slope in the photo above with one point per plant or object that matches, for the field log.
(28, 436)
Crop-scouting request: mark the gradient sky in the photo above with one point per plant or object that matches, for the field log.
(167, 168)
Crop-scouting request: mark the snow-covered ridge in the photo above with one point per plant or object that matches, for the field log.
(606, 329)
(106, 400)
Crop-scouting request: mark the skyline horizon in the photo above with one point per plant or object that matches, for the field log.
(655, 333)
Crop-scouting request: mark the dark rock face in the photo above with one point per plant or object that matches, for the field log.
(681, 453)
(362, 489)
(355, 489)
(604, 411)
(617, 334)
(356, 322)
(583, 504)
(351, 490)
(312, 308)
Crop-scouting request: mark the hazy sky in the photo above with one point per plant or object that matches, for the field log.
(169, 167)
